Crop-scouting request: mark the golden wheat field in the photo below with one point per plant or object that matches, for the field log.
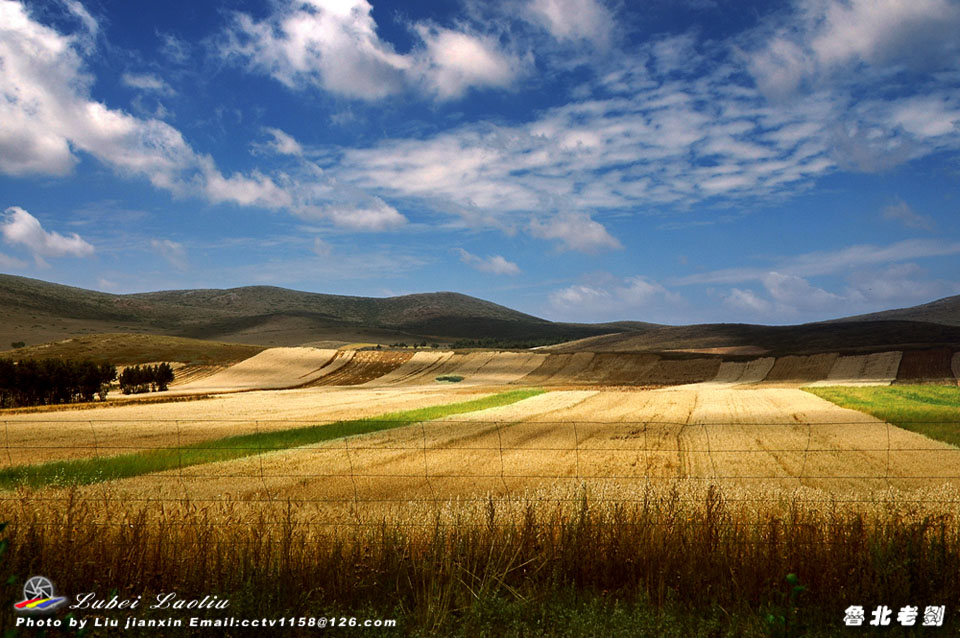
(743, 438)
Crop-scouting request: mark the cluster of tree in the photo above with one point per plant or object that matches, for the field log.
(511, 344)
(53, 381)
(137, 379)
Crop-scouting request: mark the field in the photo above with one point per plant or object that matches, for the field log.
(538, 487)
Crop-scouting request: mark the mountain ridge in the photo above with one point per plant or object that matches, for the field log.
(34, 311)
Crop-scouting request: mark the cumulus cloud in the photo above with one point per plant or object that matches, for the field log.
(797, 294)
(745, 299)
(826, 37)
(495, 264)
(334, 45)
(635, 297)
(454, 61)
(575, 231)
(281, 143)
(173, 252)
(573, 19)
(46, 114)
(20, 227)
(374, 215)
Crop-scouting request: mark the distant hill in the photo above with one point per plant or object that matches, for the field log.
(852, 336)
(35, 311)
(944, 311)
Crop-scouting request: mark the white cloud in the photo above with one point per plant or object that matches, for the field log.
(282, 143)
(573, 19)
(20, 227)
(631, 297)
(795, 294)
(830, 262)
(146, 82)
(826, 37)
(6, 261)
(374, 215)
(748, 300)
(575, 231)
(453, 62)
(334, 45)
(902, 212)
(868, 289)
(898, 285)
(495, 264)
(173, 252)
(46, 114)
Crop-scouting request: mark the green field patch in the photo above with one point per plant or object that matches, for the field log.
(87, 471)
(931, 410)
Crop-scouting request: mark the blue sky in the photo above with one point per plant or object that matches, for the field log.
(677, 162)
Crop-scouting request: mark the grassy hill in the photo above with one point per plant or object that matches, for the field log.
(944, 311)
(132, 349)
(852, 336)
(35, 311)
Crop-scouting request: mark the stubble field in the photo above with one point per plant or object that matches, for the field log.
(660, 494)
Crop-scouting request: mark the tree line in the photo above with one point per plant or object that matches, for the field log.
(137, 379)
(53, 381)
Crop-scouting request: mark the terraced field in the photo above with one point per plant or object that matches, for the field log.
(309, 367)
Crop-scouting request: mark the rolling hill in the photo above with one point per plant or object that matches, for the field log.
(944, 311)
(35, 311)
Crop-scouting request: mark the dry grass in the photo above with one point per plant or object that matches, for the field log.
(680, 545)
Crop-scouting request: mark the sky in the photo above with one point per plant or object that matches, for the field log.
(673, 161)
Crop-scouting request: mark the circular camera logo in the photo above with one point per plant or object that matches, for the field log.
(39, 595)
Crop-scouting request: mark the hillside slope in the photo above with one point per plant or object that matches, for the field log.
(944, 311)
(35, 311)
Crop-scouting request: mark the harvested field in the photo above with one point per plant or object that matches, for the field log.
(558, 369)
(733, 437)
(506, 367)
(680, 371)
(744, 371)
(194, 372)
(39, 437)
(363, 367)
(926, 365)
(616, 369)
(421, 363)
(274, 368)
(872, 369)
(802, 368)
(463, 365)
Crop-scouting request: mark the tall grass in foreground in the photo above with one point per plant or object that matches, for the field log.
(931, 410)
(97, 470)
(679, 560)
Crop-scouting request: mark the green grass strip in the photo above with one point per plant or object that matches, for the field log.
(930, 410)
(87, 471)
